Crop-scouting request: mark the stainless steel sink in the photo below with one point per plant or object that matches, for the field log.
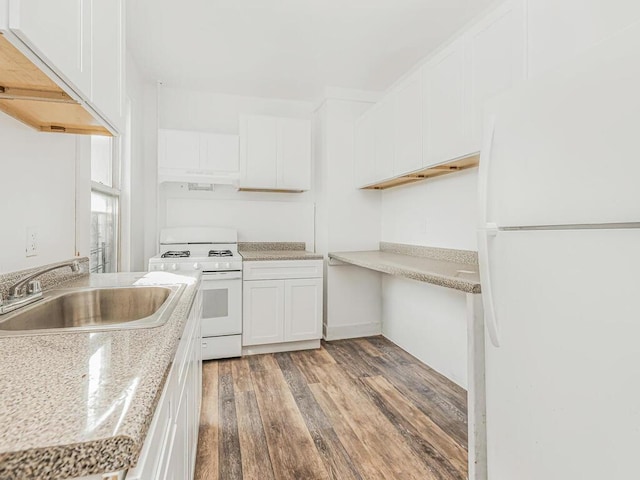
(89, 309)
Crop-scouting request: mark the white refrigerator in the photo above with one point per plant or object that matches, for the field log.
(559, 250)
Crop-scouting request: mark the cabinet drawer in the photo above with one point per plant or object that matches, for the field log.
(282, 269)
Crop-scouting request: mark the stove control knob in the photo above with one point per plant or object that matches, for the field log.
(216, 265)
(161, 266)
(226, 265)
(174, 267)
(196, 266)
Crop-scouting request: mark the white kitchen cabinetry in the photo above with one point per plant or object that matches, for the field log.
(81, 44)
(375, 146)
(384, 120)
(445, 110)
(60, 34)
(303, 309)
(557, 31)
(282, 303)
(263, 312)
(409, 134)
(197, 156)
(365, 146)
(275, 153)
(495, 49)
(169, 451)
(107, 91)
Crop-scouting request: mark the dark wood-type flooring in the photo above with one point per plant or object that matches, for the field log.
(355, 409)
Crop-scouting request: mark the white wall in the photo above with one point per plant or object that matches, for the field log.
(440, 212)
(348, 219)
(37, 189)
(426, 320)
(257, 216)
(429, 322)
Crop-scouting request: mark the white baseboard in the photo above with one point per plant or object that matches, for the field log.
(341, 332)
(280, 347)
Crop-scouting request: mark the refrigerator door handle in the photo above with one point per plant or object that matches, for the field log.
(485, 235)
(483, 173)
(487, 230)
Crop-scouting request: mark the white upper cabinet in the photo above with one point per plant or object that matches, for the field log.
(107, 93)
(495, 49)
(384, 119)
(59, 32)
(178, 150)
(220, 154)
(82, 42)
(445, 110)
(275, 153)
(197, 157)
(258, 152)
(365, 147)
(294, 154)
(408, 125)
(558, 31)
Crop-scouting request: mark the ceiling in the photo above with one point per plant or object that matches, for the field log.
(288, 48)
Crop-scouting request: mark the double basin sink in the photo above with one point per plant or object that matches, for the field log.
(94, 309)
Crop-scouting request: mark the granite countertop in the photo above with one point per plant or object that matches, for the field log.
(261, 251)
(448, 268)
(78, 404)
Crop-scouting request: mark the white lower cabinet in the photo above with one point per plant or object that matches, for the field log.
(282, 302)
(169, 451)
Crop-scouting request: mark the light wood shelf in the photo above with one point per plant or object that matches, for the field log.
(457, 165)
(30, 96)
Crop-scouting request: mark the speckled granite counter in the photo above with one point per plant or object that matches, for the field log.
(80, 403)
(457, 269)
(259, 251)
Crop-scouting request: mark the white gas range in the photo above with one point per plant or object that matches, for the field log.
(214, 252)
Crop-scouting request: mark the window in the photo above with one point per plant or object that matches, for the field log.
(105, 204)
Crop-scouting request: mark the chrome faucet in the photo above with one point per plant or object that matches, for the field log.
(28, 289)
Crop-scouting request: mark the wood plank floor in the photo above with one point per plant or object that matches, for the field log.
(354, 410)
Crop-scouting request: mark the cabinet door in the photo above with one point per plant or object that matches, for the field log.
(219, 154)
(294, 154)
(303, 309)
(495, 58)
(108, 60)
(408, 125)
(263, 312)
(178, 466)
(365, 160)
(444, 108)
(60, 33)
(384, 118)
(259, 152)
(178, 150)
(557, 31)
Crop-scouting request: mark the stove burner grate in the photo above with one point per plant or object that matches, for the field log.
(176, 254)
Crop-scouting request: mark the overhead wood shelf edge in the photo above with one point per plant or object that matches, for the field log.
(30, 96)
(456, 165)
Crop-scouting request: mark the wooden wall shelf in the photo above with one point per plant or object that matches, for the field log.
(456, 165)
(30, 96)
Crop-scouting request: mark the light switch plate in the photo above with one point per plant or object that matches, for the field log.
(31, 248)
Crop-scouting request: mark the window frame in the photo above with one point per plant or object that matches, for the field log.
(115, 192)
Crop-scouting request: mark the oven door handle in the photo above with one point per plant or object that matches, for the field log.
(213, 276)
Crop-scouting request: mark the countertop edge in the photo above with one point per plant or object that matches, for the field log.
(103, 455)
(427, 277)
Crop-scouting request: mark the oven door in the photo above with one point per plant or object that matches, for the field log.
(221, 303)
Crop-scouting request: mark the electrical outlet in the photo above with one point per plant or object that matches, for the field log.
(32, 242)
